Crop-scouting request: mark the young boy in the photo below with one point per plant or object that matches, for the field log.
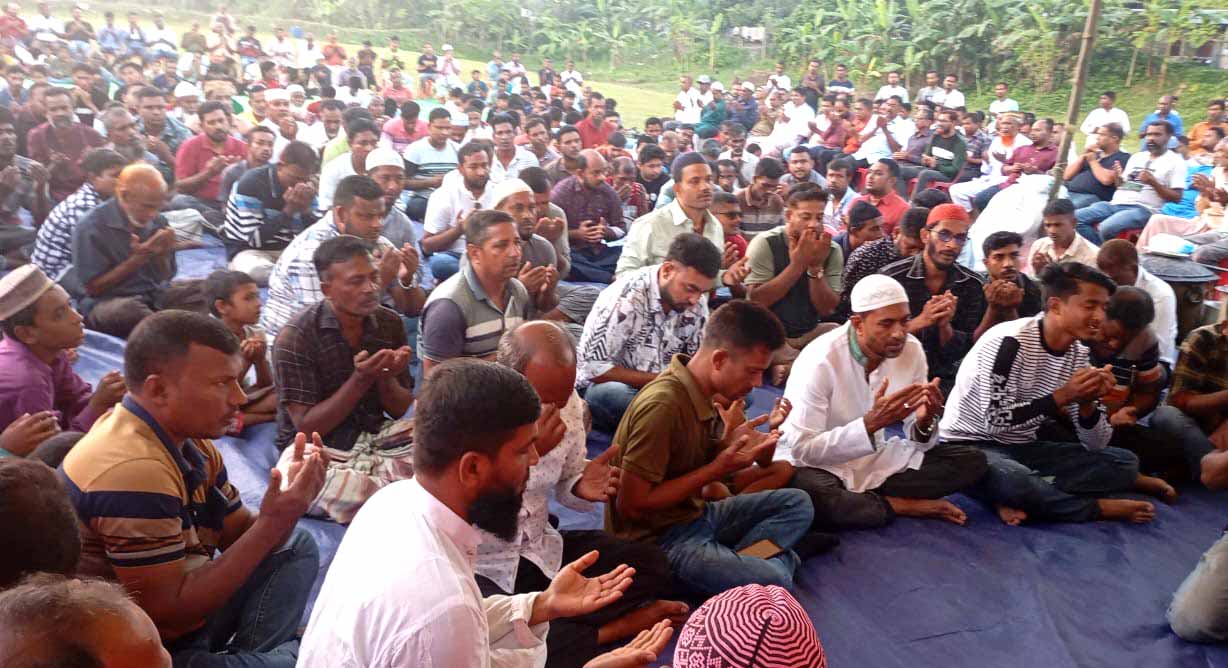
(234, 298)
(40, 394)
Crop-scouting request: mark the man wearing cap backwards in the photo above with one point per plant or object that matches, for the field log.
(765, 623)
(124, 256)
(1024, 372)
(849, 390)
(358, 210)
(947, 300)
(201, 161)
(40, 394)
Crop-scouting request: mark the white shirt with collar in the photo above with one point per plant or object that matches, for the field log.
(1164, 326)
(649, 236)
(875, 146)
(689, 101)
(887, 91)
(554, 474)
(749, 162)
(831, 396)
(280, 142)
(522, 158)
(422, 609)
(949, 99)
(450, 200)
(1100, 116)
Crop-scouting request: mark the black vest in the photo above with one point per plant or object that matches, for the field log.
(795, 309)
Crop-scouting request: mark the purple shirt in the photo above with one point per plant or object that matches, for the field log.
(28, 385)
(581, 204)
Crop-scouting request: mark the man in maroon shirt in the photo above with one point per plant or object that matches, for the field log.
(201, 161)
(1037, 158)
(594, 129)
(60, 142)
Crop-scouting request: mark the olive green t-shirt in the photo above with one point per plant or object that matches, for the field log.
(669, 430)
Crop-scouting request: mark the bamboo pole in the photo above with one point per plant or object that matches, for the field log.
(1076, 95)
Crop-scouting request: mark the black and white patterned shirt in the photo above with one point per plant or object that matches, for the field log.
(53, 247)
(1004, 389)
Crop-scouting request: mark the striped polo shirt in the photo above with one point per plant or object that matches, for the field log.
(143, 501)
(460, 320)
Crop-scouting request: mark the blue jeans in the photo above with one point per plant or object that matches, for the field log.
(1199, 611)
(703, 554)
(1016, 478)
(1112, 218)
(257, 628)
(443, 264)
(595, 264)
(982, 198)
(1174, 426)
(1082, 200)
(608, 402)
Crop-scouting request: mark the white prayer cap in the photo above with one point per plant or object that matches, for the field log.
(186, 89)
(276, 94)
(876, 291)
(295, 88)
(447, 47)
(508, 188)
(384, 157)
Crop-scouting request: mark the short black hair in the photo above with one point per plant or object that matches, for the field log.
(469, 405)
(38, 522)
(438, 113)
(724, 162)
(1062, 279)
(913, 221)
(1168, 127)
(1059, 207)
(56, 91)
(800, 149)
(98, 160)
(1001, 239)
(299, 154)
(860, 213)
(652, 120)
(166, 336)
(222, 284)
(332, 105)
(743, 325)
(472, 148)
(770, 168)
(566, 129)
(501, 119)
(1132, 307)
(893, 167)
(537, 179)
(357, 186)
(211, 106)
(722, 197)
(337, 250)
(478, 224)
(650, 152)
(145, 92)
(358, 126)
(840, 165)
(931, 198)
(534, 121)
(695, 251)
(257, 129)
(799, 195)
(410, 109)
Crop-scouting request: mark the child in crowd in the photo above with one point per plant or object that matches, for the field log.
(234, 298)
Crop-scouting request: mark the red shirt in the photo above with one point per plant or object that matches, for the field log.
(334, 54)
(892, 207)
(194, 155)
(592, 136)
(66, 177)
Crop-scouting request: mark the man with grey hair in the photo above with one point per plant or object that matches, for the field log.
(107, 628)
(127, 141)
(543, 353)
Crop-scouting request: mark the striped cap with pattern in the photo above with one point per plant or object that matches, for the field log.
(750, 627)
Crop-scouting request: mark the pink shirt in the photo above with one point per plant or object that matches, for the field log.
(397, 138)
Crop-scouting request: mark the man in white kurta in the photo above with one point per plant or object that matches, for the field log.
(863, 430)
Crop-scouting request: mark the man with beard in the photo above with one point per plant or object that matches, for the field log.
(23, 195)
(449, 206)
(651, 238)
(870, 257)
(537, 134)
(795, 272)
(1031, 369)
(641, 321)
(156, 507)
(358, 211)
(60, 143)
(1009, 294)
(849, 386)
(881, 178)
(163, 134)
(947, 300)
(568, 163)
(259, 152)
(686, 430)
(545, 355)
(124, 139)
(594, 129)
(281, 120)
(475, 437)
(594, 217)
(1151, 178)
(466, 314)
(201, 161)
(342, 370)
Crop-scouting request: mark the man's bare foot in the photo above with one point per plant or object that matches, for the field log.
(1011, 516)
(938, 509)
(1138, 512)
(780, 373)
(643, 618)
(1156, 487)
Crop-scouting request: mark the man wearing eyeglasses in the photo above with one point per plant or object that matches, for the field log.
(947, 300)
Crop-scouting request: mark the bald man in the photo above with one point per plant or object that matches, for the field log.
(107, 628)
(544, 354)
(123, 257)
(594, 217)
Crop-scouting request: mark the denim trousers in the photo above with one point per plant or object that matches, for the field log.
(703, 553)
(608, 402)
(257, 628)
(1082, 200)
(1113, 219)
(1017, 473)
(443, 264)
(1174, 426)
(1199, 610)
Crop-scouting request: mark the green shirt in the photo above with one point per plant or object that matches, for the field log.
(959, 150)
(669, 430)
